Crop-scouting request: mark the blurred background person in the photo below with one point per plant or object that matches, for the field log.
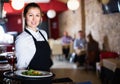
(66, 40)
(79, 47)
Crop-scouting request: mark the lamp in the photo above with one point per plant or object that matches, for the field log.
(73, 4)
(105, 1)
(51, 13)
(17, 4)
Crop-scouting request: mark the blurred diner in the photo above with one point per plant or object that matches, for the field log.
(66, 40)
(79, 47)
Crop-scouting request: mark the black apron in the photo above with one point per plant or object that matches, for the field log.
(41, 60)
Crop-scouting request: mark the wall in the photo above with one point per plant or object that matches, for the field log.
(70, 21)
(54, 29)
(104, 28)
(14, 23)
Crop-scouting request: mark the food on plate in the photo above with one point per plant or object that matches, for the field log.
(32, 72)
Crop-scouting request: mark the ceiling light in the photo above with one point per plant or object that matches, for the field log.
(105, 1)
(51, 13)
(17, 4)
(73, 4)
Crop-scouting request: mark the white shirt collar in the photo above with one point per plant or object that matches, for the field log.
(33, 32)
(29, 29)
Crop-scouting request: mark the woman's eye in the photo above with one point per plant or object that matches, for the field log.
(30, 15)
(38, 15)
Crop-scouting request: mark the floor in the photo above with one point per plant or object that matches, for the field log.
(63, 68)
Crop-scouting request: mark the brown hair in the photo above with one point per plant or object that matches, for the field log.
(28, 6)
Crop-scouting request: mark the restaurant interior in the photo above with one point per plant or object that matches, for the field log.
(100, 18)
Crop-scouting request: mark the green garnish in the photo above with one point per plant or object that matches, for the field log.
(32, 72)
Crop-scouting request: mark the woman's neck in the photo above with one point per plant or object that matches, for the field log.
(34, 29)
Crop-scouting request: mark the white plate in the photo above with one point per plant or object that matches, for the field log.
(45, 74)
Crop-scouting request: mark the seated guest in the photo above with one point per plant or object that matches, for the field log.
(66, 40)
(79, 47)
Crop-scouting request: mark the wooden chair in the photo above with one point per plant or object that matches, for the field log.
(91, 60)
(108, 54)
(92, 52)
(56, 48)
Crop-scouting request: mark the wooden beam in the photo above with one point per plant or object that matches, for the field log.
(83, 14)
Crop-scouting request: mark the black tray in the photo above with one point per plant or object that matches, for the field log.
(13, 76)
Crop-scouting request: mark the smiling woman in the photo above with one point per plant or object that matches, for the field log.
(34, 56)
(32, 48)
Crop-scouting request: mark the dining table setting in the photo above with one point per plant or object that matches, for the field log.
(44, 77)
(10, 75)
(22, 76)
(8, 70)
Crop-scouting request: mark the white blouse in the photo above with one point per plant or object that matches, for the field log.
(25, 47)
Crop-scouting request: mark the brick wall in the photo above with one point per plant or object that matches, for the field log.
(105, 28)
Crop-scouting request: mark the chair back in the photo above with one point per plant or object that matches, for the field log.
(108, 54)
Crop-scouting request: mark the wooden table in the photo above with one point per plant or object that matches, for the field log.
(111, 64)
(110, 71)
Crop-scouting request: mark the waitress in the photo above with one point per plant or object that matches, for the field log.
(32, 49)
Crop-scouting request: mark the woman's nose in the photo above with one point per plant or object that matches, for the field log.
(34, 17)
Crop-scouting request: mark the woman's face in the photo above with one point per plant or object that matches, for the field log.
(33, 17)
